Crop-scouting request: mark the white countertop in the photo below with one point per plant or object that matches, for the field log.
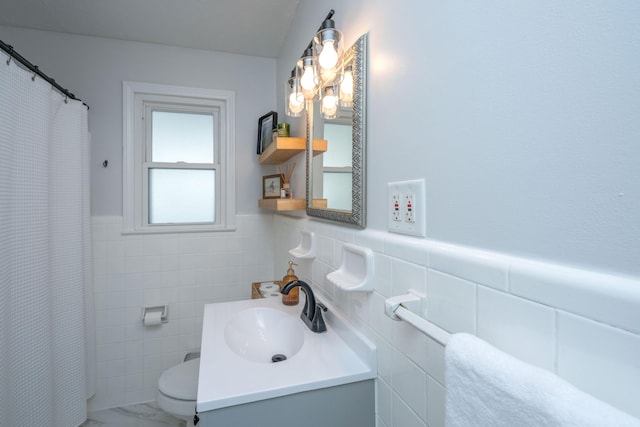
(339, 356)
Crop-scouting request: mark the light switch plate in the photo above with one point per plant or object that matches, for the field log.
(410, 217)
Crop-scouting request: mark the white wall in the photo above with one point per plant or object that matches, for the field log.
(521, 117)
(94, 68)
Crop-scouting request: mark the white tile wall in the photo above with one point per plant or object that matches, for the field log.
(578, 324)
(517, 326)
(581, 325)
(610, 355)
(435, 402)
(451, 302)
(409, 382)
(185, 271)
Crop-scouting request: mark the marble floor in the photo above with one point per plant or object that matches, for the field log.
(140, 415)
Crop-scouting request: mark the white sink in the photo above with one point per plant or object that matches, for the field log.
(240, 337)
(264, 334)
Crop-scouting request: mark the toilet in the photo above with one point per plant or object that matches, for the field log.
(177, 390)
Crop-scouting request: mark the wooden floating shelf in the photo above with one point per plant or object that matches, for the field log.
(283, 204)
(319, 203)
(284, 148)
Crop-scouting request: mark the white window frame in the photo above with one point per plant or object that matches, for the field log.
(137, 97)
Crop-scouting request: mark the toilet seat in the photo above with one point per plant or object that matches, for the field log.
(178, 389)
(181, 381)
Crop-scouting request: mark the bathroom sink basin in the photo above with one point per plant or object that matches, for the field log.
(264, 334)
(240, 337)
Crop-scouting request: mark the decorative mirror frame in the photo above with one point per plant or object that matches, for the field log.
(357, 216)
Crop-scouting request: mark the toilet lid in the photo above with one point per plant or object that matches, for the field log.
(181, 381)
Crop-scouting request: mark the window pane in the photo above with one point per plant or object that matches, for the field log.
(181, 196)
(181, 137)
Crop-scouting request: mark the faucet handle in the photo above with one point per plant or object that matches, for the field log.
(317, 323)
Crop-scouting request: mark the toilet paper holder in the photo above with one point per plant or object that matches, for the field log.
(163, 309)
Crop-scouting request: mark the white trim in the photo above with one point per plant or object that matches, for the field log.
(133, 224)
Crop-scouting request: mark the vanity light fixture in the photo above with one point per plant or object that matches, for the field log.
(319, 74)
(330, 102)
(309, 78)
(328, 49)
(294, 96)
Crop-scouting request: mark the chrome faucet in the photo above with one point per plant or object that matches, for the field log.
(312, 312)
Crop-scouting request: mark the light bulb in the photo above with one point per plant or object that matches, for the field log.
(295, 105)
(307, 81)
(329, 104)
(330, 112)
(346, 86)
(328, 75)
(328, 57)
(346, 89)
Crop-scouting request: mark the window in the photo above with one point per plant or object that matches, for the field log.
(178, 159)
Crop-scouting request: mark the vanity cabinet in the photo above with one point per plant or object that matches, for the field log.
(279, 151)
(327, 379)
(347, 405)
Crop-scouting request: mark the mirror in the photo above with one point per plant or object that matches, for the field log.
(336, 178)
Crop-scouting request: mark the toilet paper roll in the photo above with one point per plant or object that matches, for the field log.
(269, 287)
(152, 318)
(271, 294)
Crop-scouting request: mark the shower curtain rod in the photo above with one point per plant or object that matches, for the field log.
(34, 68)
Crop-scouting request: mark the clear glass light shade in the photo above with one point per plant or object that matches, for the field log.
(328, 76)
(308, 77)
(294, 99)
(327, 45)
(329, 102)
(346, 88)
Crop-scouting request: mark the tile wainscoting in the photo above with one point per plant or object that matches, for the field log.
(582, 325)
(185, 271)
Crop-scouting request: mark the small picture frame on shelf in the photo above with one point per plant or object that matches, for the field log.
(271, 185)
(267, 124)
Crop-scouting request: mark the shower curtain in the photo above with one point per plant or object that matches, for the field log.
(46, 296)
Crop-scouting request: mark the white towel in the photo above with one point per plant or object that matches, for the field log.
(486, 387)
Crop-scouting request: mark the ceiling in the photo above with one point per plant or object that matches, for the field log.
(248, 27)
